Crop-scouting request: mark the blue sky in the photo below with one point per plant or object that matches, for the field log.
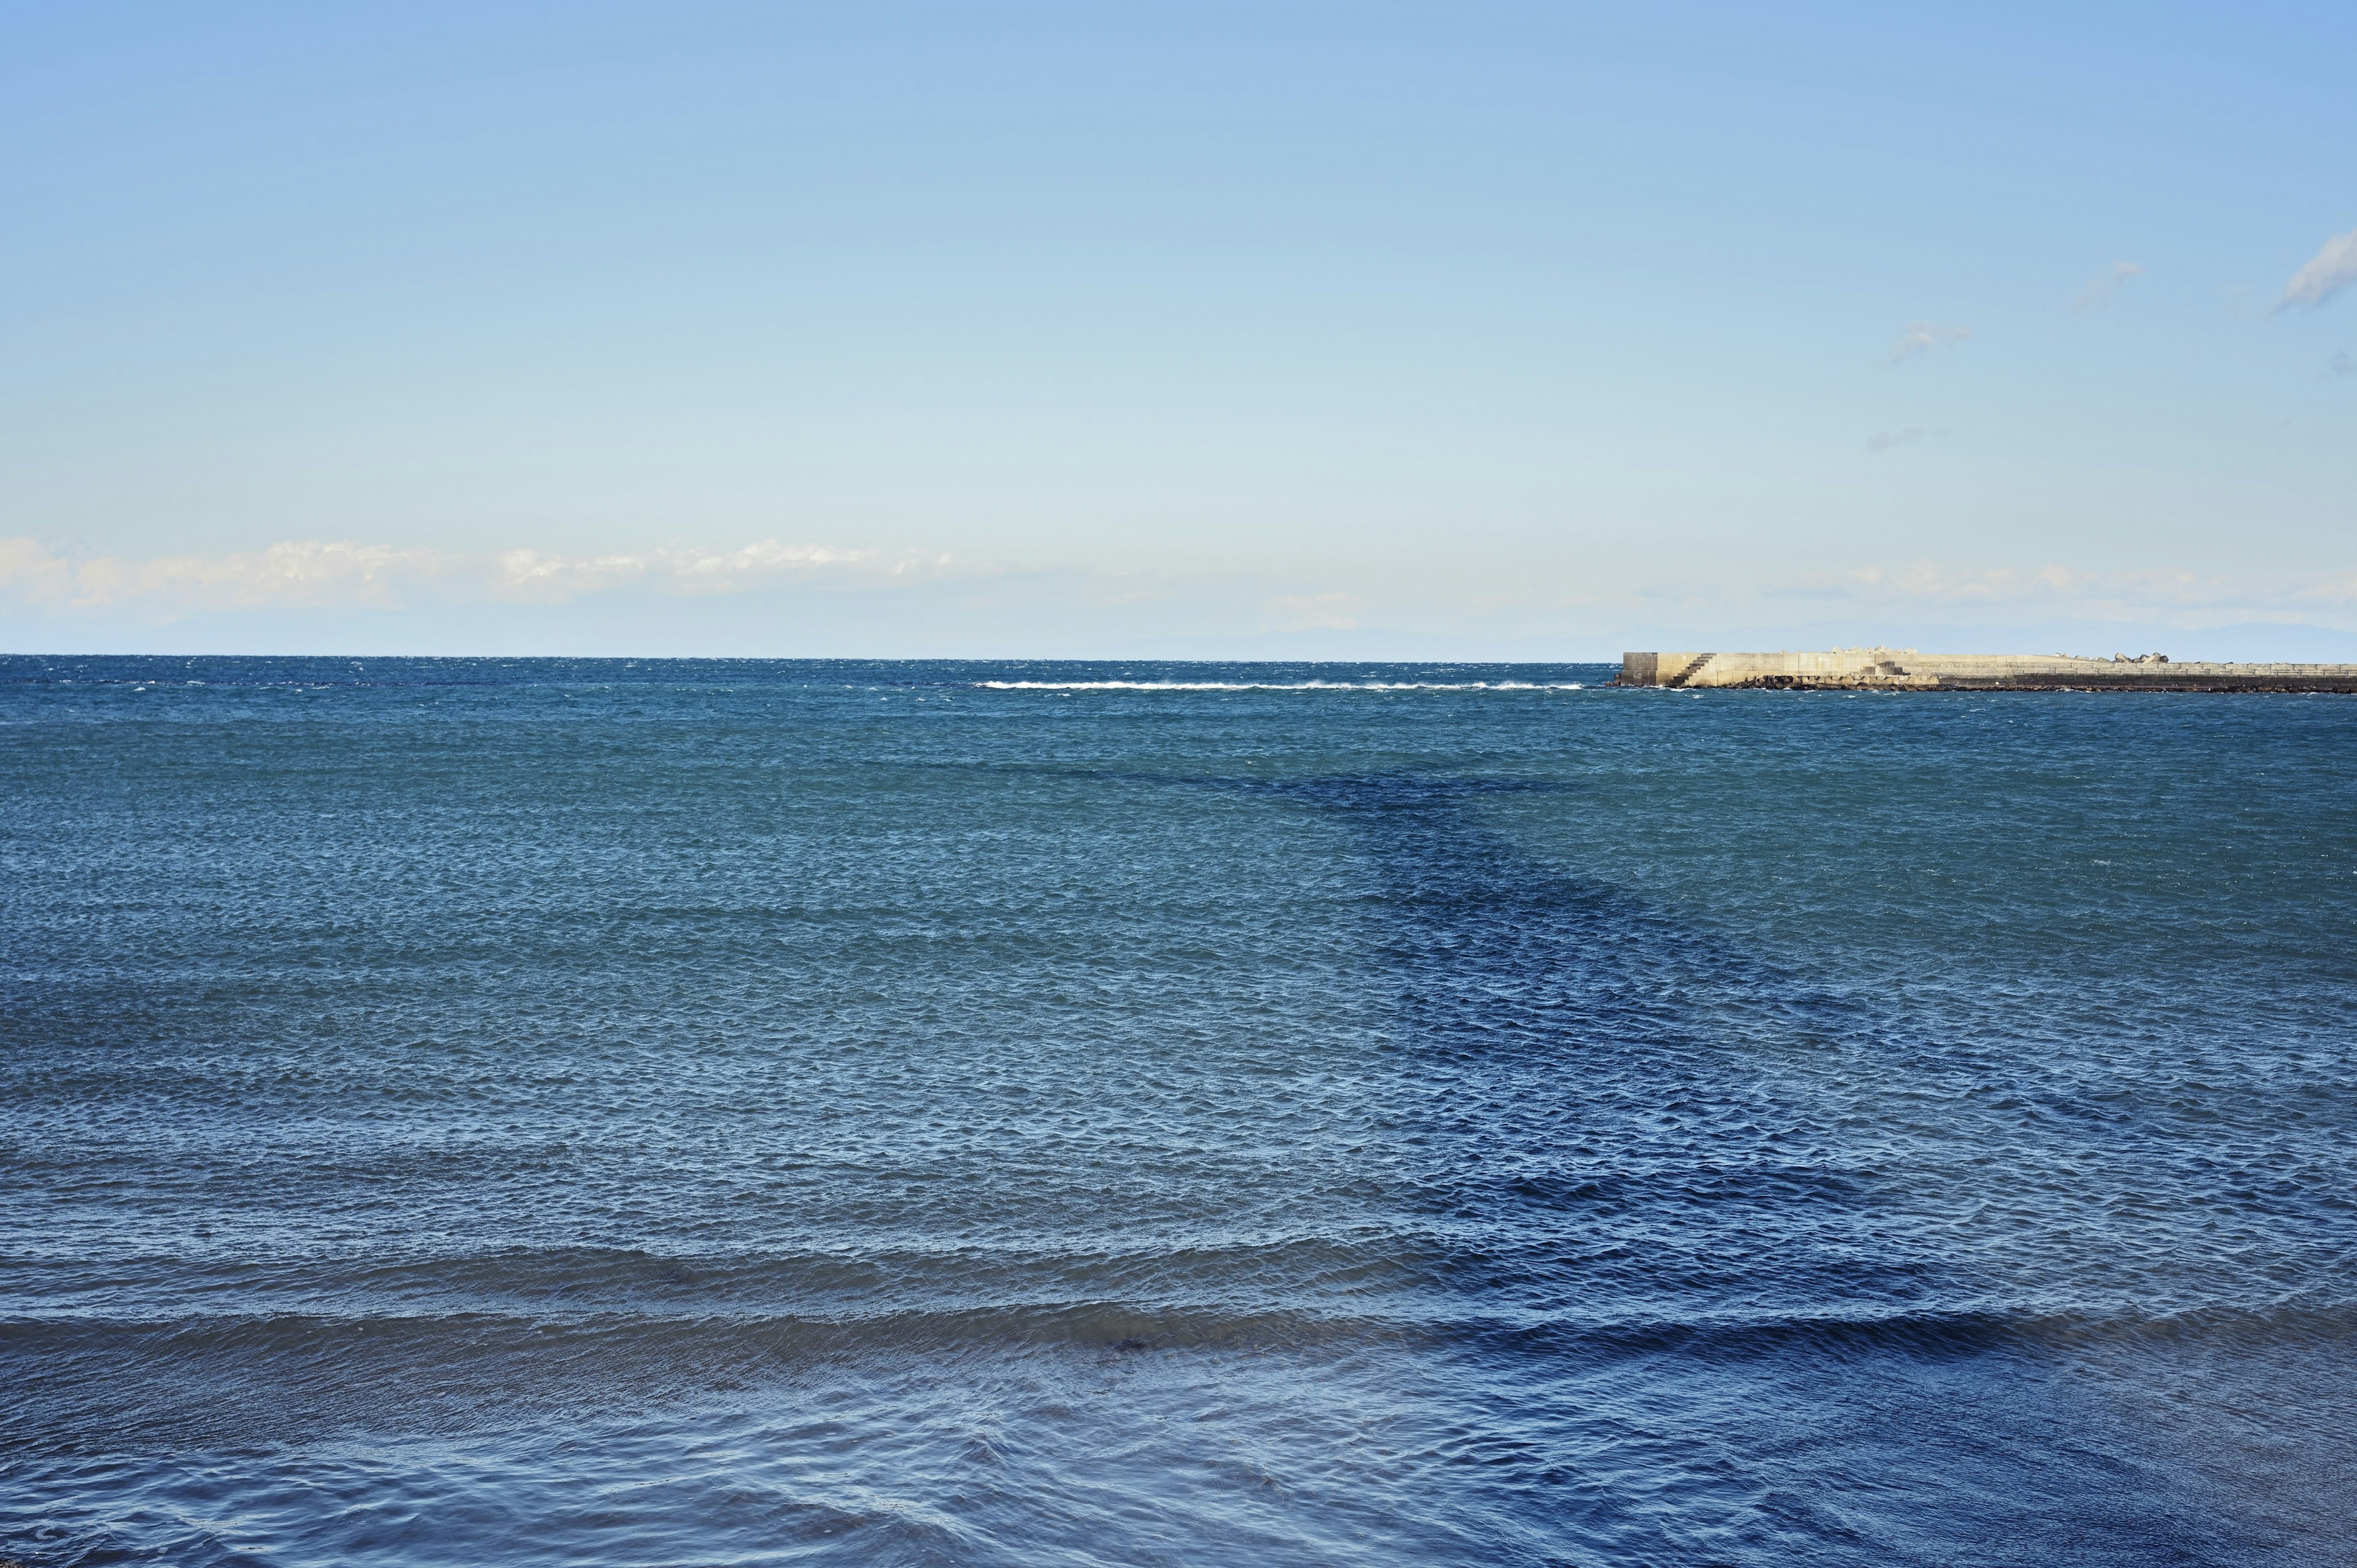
(1296, 330)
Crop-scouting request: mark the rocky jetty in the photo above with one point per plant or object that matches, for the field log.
(1905, 670)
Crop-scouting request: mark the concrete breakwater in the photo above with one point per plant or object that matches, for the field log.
(1904, 669)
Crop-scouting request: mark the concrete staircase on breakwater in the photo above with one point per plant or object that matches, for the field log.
(1691, 670)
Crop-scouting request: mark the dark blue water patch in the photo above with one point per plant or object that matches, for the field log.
(1550, 1016)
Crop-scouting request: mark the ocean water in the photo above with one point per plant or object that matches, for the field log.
(611, 1112)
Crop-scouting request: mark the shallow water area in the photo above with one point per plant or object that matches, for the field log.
(568, 1112)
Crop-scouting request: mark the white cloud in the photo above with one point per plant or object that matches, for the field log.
(343, 574)
(1922, 337)
(2098, 293)
(2332, 270)
(290, 574)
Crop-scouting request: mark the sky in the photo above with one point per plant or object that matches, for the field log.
(1283, 330)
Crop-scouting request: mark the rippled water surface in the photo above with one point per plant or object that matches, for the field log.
(586, 1113)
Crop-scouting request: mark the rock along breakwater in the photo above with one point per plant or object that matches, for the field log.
(1904, 669)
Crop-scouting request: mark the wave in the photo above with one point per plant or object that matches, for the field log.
(45, 1344)
(1280, 685)
(1962, 1329)
(1255, 1265)
(85, 1382)
(276, 1377)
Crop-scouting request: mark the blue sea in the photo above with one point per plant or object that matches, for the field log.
(607, 1112)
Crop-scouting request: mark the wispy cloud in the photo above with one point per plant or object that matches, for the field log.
(312, 574)
(1883, 441)
(2098, 293)
(293, 574)
(1922, 337)
(2332, 270)
(2344, 364)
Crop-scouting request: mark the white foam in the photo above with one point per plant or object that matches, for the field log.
(1277, 686)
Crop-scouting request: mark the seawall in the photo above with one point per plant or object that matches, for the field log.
(1904, 669)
